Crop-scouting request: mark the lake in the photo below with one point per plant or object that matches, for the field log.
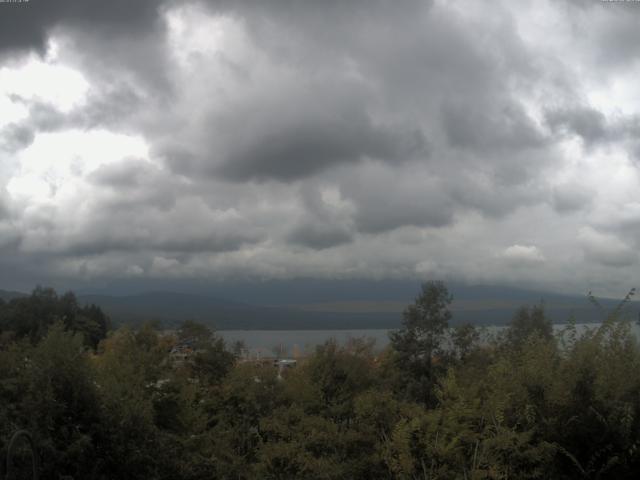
(303, 342)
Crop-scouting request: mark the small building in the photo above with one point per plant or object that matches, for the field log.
(283, 364)
(181, 351)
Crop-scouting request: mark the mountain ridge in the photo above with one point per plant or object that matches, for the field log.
(481, 305)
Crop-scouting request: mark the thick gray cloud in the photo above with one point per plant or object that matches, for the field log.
(129, 173)
(347, 92)
(319, 236)
(572, 197)
(295, 131)
(606, 249)
(25, 26)
(385, 199)
(103, 38)
(320, 225)
(596, 130)
(490, 127)
(16, 137)
(151, 241)
(302, 146)
(279, 138)
(588, 123)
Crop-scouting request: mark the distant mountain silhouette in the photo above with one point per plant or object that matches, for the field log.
(7, 295)
(319, 309)
(171, 308)
(319, 304)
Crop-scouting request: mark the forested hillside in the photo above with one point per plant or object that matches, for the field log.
(140, 404)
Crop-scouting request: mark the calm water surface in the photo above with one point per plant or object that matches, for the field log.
(264, 342)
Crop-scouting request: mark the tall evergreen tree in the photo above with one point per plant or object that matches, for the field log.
(419, 341)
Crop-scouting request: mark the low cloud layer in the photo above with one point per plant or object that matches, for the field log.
(485, 142)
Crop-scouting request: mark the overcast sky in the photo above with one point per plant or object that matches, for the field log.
(490, 142)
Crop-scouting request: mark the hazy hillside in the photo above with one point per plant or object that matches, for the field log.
(172, 308)
(331, 305)
(319, 305)
(7, 295)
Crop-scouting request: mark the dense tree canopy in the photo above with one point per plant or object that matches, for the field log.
(527, 403)
(529, 322)
(417, 344)
(31, 316)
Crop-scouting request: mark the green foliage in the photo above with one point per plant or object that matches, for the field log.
(528, 322)
(210, 360)
(49, 389)
(527, 405)
(465, 339)
(31, 317)
(338, 376)
(419, 341)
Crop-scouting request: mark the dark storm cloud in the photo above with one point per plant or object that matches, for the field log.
(319, 236)
(490, 195)
(297, 137)
(136, 187)
(382, 214)
(140, 223)
(125, 242)
(106, 37)
(320, 225)
(588, 123)
(421, 202)
(25, 26)
(295, 131)
(333, 24)
(302, 148)
(110, 106)
(490, 127)
(450, 92)
(42, 118)
(593, 126)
